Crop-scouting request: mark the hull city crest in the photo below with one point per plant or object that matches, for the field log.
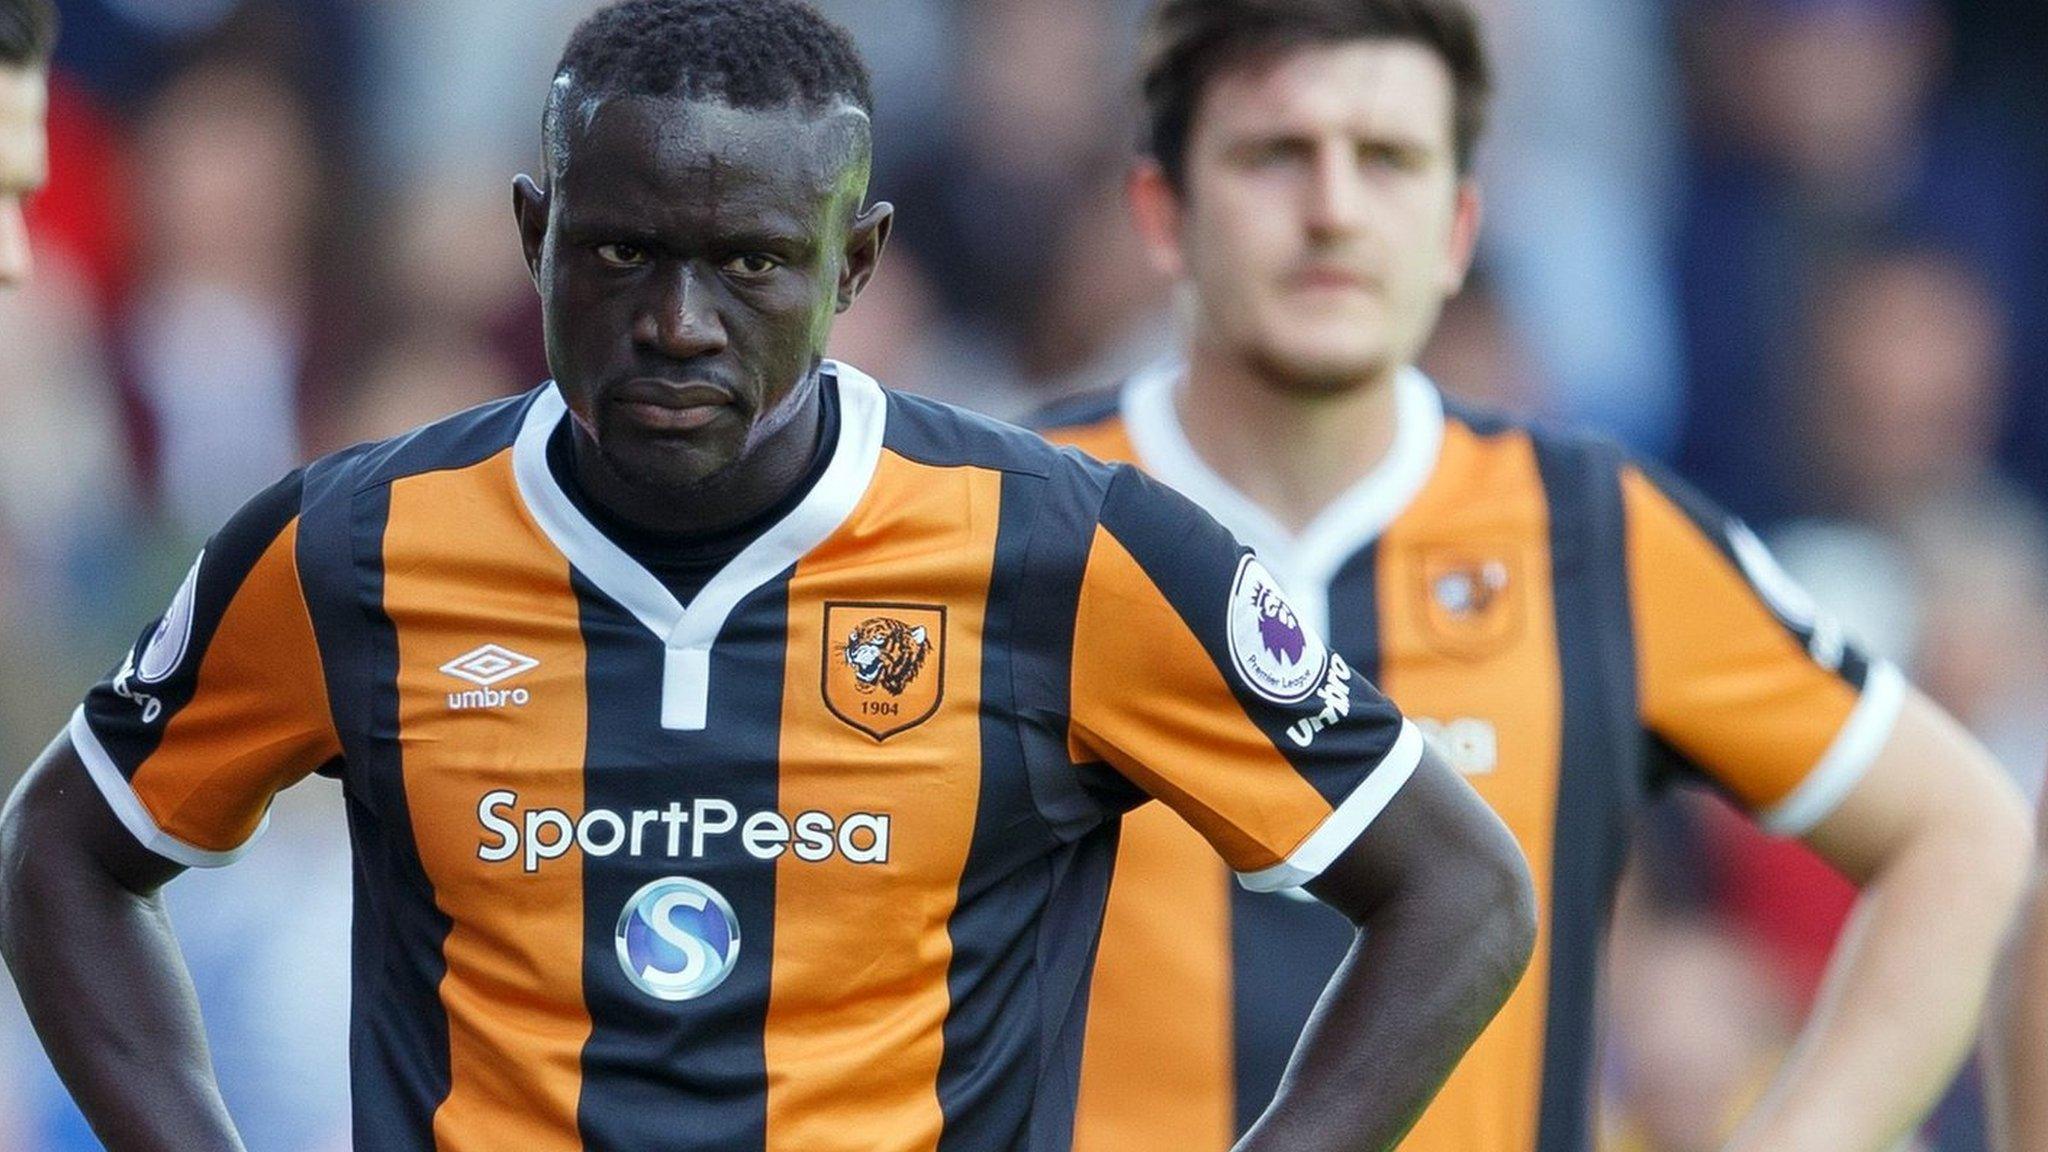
(885, 664)
(1472, 602)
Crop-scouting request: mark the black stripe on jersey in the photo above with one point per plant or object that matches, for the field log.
(688, 1076)
(1074, 799)
(128, 732)
(458, 441)
(1078, 411)
(1720, 527)
(1193, 561)
(993, 1083)
(1599, 774)
(398, 1034)
(1284, 948)
(943, 436)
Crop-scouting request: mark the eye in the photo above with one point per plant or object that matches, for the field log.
(752, 264)
(622, 255)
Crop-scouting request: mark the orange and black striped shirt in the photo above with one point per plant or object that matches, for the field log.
(816, 861)
(1574, 632)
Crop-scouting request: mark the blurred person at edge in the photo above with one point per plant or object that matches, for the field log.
(28, 30)
(1697, 1019)
(1819, 124)
(219, 333)
(1579, 630)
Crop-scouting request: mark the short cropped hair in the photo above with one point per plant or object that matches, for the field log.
(1189, 43)
(28, 33)
(749, 54)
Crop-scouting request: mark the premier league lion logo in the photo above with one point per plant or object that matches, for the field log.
(885, 664)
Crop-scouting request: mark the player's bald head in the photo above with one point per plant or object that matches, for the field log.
(746, 54)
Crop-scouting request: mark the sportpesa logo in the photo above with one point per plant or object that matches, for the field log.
(677, 939)
(676, 832)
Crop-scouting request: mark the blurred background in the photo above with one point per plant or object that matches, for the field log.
(1797, 248)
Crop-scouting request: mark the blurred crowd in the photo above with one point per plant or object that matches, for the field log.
(1796, 248)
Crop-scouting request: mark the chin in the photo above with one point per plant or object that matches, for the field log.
(670, 464)
(1322, 371)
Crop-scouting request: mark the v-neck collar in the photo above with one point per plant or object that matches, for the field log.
(688, 634)
(1305, 562)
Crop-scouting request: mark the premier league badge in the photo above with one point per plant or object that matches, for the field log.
(1276, 655)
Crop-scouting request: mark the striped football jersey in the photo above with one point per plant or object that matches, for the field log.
(1573, 631)
(816, 861)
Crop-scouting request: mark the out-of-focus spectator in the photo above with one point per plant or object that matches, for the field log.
(1908, 386)
(1820, 126)
(221, 330)
(1699, 1023)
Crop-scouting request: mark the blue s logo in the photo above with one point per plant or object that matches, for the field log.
(677, 939)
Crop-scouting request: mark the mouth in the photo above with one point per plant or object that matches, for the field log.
(1330, 278)
(671, 406)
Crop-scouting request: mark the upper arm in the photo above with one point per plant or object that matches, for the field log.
(222, 701)
(1930, 774)
(1437, 827)
(1194, 679)
(57, 817)
(1738, 670)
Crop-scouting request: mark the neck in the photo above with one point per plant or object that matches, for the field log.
(1291, 453)
(770, 466)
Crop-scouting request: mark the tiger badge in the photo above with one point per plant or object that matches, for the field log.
(1471, 603)
(885, 664)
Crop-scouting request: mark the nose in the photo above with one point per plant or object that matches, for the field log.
(681, 320)
(1336, 192)
(14, 253)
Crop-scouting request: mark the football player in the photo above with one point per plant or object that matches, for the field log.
(733, 749)
(1575, 629)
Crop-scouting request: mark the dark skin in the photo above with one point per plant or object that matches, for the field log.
(689, 361)
(690, 259)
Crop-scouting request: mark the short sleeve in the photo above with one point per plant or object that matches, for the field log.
(1196, 681)
(222, 701)
(1739, 671)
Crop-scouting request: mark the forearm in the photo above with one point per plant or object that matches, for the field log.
(1901, 1002)
(2018, 1043)
(101, 976)
(1426, 975)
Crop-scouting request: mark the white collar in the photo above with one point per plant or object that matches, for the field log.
(689, 633)
(1305, 563)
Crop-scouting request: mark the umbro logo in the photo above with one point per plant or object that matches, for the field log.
(487, 667)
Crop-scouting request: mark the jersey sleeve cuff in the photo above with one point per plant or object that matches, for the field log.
(1854, 750)
(136, 818)
(1343, 827)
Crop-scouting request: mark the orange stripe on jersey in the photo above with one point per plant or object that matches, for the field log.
(859, 999)
(1710, 652)
(1157, 1071)
(464, 567)
(1487, 508)
(258, 721)
(1250, 803)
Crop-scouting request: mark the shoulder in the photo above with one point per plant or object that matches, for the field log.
(1103, 405)
(453, 442)
(944, 436)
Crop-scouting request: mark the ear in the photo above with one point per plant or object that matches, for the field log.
(918, 634)
(1157, 212)
(1464, 236)
(530, 210)
(864, 244)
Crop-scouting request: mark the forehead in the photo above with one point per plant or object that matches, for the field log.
(664, 158)
(22, 151)
(1375, 88)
